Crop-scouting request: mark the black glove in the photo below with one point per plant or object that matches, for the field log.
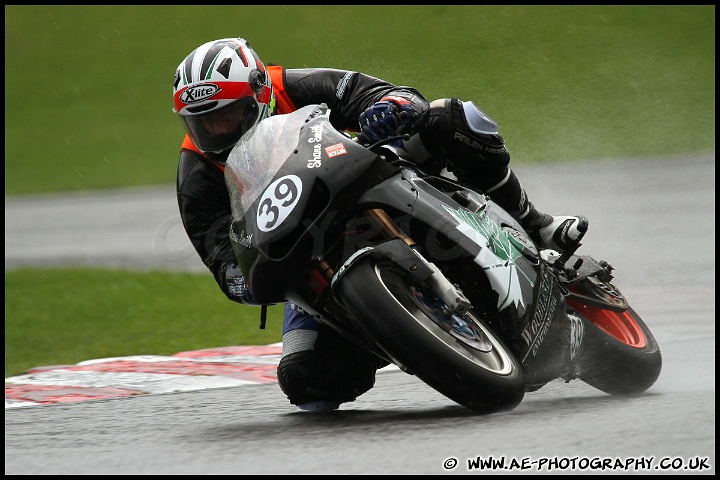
(389, 117)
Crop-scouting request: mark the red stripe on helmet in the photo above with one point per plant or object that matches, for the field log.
(241, 52)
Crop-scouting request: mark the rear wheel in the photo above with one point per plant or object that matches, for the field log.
(620, 354)
(457, 355)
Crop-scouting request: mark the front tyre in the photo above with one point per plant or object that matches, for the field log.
(459, 356)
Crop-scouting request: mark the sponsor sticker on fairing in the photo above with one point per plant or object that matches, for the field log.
(335, 150)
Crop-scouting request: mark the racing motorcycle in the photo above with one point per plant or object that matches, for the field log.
(422, 271)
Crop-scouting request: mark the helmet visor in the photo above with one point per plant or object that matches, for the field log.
(220, 129)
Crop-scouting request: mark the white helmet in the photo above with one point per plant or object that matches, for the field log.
(221, 90)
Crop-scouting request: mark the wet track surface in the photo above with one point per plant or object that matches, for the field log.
(653, 219)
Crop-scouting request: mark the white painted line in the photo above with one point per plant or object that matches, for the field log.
(136, 358)
(18, 403)
(141, 382)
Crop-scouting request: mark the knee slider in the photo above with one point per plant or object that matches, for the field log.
(304, 377)
(327, 374)
(294, 374)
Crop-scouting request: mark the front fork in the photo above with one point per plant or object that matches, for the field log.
(450, 294)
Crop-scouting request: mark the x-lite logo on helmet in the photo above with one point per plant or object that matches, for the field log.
(198, 93)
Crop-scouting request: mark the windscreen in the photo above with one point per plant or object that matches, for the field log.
(258, 156)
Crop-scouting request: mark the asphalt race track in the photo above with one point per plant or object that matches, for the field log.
(652, 219)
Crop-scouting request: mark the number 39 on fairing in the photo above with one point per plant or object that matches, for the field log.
(278, 201)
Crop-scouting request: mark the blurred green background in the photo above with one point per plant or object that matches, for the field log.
(88, 88)
(88, 106)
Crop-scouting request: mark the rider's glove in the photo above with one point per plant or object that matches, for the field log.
(390, 116)
(235, 286)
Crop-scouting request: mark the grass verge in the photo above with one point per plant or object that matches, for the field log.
(65, 316)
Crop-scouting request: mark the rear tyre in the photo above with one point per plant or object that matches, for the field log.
(459, 356)
(620, 354)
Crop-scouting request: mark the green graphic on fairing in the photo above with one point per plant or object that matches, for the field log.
(497, 254)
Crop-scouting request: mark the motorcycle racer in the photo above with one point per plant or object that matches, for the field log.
(222, 88)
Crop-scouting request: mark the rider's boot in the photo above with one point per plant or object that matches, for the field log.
(563, 233)
(559, 233)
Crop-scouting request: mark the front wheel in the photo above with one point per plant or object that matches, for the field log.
(459, 356)
(620, 354)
